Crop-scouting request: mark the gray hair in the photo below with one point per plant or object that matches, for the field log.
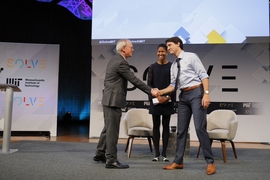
(121, 43)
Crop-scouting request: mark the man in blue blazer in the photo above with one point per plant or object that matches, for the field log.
(114, 98)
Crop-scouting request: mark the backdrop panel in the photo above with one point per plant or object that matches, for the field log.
(239, 80)
(34, 69)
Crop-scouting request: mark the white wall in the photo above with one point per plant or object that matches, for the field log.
(252, 81)
(34, 69)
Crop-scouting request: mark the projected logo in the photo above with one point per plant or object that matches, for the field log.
(20, 63)
(232, 78)
(29, 101)
(14, 81)
(240, 108)
(209, 70)
(80, 8)
(35, 83)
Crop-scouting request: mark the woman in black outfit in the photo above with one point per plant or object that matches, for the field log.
(159, 77)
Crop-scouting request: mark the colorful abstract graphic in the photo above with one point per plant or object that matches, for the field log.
(82, 9)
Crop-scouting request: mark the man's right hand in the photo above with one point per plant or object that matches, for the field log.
(155, 92)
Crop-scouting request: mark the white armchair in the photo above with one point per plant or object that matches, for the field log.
(138, 123)
(222, 126)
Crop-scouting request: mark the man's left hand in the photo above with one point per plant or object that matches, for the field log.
(206, 101)
(163, 99)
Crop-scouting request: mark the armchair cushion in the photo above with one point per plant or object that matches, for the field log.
(140, 131)
(218, 134)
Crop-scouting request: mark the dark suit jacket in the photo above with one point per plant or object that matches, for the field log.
(115, 84)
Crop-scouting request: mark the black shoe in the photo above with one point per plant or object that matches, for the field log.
(100, 158)
(116, 165)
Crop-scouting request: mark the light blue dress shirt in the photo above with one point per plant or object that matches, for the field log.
(192, 71)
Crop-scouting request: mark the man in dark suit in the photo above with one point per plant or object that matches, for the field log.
(114, 98)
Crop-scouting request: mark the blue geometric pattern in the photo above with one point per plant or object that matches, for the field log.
(182, 32)
(80, 8)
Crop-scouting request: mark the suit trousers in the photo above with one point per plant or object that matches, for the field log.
(190, 102)
(109, 136)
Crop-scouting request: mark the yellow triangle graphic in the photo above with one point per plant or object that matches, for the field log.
(214, 38)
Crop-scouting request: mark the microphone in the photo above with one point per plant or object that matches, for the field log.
(1, 69)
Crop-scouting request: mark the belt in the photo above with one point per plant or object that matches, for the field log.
(191, 88)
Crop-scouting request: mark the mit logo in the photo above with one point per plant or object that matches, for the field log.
(13, 81)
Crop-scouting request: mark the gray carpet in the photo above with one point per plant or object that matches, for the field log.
(40, 160)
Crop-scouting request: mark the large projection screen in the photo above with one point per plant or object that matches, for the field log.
(195, 22)
(231, 38)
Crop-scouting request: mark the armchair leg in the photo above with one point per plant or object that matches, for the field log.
(150, 144)
(223, 150)
(127, 144)
(199, 148)
(211, 142)
(130, 146)
(234, 151)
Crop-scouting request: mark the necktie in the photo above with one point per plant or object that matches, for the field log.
(178, 73)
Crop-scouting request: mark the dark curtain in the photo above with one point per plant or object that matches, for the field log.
(29, 21)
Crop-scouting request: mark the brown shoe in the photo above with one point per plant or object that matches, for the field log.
(173, 166)
(210, 169)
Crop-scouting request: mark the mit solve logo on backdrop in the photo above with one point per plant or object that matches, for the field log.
(27, 82)
(18, 63)
(34, 69)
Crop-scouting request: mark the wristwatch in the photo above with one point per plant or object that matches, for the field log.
(206, 92)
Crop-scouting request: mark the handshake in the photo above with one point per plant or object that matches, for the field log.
(160, 99)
